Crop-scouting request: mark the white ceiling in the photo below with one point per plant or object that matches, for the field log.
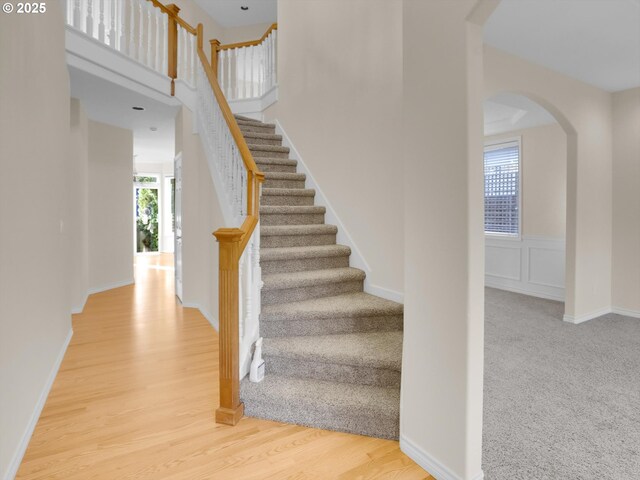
(109, 103)
(595, 41)
(507, 112)
(228, 13)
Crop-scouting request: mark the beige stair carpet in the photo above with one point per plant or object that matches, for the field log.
(333, 353)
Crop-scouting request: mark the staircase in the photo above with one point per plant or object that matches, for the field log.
(333, 353)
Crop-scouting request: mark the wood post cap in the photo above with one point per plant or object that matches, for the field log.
(215, 42)
(228, 235)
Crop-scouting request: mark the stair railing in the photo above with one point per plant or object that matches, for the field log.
(247, 69)
(154, 34)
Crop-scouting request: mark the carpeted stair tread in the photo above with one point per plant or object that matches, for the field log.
(284, 176)
(280, 230)
(279, 281)
(351, 305)
(290, 209)
(276, 161)
(290, 253)
(253, 123)
(371, 349)
(263, 136)
(362, 409)
(267, 148)
(242, 117)
(298, 192)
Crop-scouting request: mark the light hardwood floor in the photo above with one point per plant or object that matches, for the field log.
(135, 399)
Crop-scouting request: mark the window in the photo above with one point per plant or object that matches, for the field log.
(502, 188)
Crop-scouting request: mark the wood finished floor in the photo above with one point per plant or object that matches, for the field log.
(135, 397)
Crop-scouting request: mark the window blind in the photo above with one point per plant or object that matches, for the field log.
(502, 188)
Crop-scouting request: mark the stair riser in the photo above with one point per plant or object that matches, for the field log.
(268, 167)
(257, 129)
(304, 264)
(296, 240)
(332, 372)
(285, 295)
(279, 183)
(268, 154)
(329, 418)
(329, 326)
(292, 219)
(290, 200)
(264, 141)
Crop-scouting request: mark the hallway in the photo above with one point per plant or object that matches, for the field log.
(135, 396)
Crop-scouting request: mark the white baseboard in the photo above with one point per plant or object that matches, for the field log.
(435, 468)
(110, 286)
(79, 308)
(586, 316)
(626, 312)
(206, 314)
(343, 237)
(489, 281)
(16, 460)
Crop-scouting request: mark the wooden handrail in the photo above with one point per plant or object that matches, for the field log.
(233, 242)
(250, 43)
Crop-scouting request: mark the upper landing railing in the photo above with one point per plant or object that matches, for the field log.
(154, 35)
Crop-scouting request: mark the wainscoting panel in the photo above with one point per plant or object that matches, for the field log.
(532, 265)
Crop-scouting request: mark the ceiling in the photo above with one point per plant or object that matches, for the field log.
(109, 103)
(507, 112)
(595, 41)
(228, 13)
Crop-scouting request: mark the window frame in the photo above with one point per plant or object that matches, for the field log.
(496, 145)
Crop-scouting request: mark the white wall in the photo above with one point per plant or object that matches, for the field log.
(626, 202)
(78, 176)
(442, 368)
(245, 33)
(584, 112)
(341, 107)
(110, 206)
(201, 216)
(534, 263)
(35, 323)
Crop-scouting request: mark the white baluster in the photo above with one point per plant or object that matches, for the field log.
(221, 70)
(101, 26)
(150, 30)
(140, 37)
(241, 293)
(274, 48)
(251, 92)
(158, 44)
(192, 72)
(89, 27)
(77, 14)
(113, 38)
(132, 27)
(165, 44)
(122, 26)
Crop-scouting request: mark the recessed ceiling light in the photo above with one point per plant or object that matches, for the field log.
(244, 8)
(153, 129)
(138, 108)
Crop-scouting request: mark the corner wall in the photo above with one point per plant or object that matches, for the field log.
(110, 207)
(340, 104)
(585, 114)
(35, 323)
(626, 202)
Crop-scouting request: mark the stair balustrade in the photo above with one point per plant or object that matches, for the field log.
(247, 70)
(154, 35)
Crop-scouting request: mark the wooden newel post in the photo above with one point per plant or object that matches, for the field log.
(231, 409)
(215, 48)
(172, 46)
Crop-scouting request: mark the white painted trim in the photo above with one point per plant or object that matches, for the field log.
(626, 312)
(515, 274)
(586, 316)
(79, 308)
(89, 55)
(253, 107)
(210, 318)
(16, 460)
(435, 468)
(343, 237)
(110, 286)
(188, 96)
